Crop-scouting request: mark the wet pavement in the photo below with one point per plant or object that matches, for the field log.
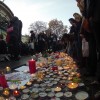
(14, 64)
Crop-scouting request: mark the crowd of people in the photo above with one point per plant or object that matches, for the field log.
(84, 37)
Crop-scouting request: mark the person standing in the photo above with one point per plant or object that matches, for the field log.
(32, 41)
(13, 40)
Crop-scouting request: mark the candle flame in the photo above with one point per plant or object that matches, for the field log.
(16, 91)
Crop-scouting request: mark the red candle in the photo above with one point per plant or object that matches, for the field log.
(32, 66)
(54, 68)
(16, 93)
(3, 81)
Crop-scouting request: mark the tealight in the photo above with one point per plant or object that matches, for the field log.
(33, 75)
(70, 78)
(59, 72)
(72, 73)
(25, 97)
(6, 92)
(22, 87)
(78, 75)
(57, 89)
(16, 93)
(2, 98)
(72, 85)
(8, 69)
(29, 83)
(13, 86)
(26, 91)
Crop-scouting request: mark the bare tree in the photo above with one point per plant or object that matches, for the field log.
(38, 26)
(57, 27)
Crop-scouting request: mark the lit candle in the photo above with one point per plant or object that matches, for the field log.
(13, 86)
(22, 87)
(58, 62)
(72, 85)
(62, 85)
(78, 74)
(59, 72)
(70, 78)
(57, 89)
(6, 92)
(29, 83)
(55, 68)
(32, 66)
(16, 93)
(8, 69)
(33, 75)
(2, 98)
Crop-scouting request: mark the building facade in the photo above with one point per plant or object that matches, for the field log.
(5, 15)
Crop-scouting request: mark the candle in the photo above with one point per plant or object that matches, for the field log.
(3, 81)
(13, 86)
(32, 66)
(62, 85)
(33, 75)
(2, 98)
(70, 78)
(59, 72)
(57, 89)
(26, 91)
(25, 97)
(8, 69)
(58, 62)
(78, 75)
(22, 87)
(16, 93)
(29, 83)
(54, 68)
(6, 92)
(11, 98)
(72, 85)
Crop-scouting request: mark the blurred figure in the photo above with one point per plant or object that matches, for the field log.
(32, 42)
(3, 49)
(78, 19)
(14, 38)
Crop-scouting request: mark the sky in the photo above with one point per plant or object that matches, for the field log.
(29, 11)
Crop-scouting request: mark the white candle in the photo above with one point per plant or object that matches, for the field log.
(29, 83)
(13, 86)
(33, 75)
(57, 89)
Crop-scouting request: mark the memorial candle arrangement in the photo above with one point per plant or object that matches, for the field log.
(32, 66)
